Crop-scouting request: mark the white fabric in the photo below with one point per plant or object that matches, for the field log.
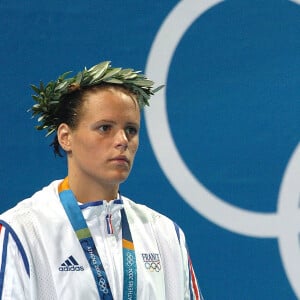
(40, 227)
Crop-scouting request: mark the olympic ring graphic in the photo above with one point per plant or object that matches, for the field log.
(129, 259)
(103, 286)
(283, 224)
(153, 266)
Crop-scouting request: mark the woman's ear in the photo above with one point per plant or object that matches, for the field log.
(64, 136)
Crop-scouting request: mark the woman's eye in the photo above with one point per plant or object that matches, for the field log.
(104, 128)
(132, 130)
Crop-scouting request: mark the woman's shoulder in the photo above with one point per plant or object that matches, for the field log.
(146, 212)
(164, 227)
(41, 201)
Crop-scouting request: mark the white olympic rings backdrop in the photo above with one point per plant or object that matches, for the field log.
(284, 224)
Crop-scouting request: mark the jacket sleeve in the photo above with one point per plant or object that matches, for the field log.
(14, 267)
(192, 290)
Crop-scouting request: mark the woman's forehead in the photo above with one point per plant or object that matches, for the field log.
(109, 103)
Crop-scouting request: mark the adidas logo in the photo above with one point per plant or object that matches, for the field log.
(70, 264)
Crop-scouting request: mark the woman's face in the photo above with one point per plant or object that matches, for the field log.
(102, 147)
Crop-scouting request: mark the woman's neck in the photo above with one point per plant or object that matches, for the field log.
(89, 191)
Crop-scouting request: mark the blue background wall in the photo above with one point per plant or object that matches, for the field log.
(232, 100)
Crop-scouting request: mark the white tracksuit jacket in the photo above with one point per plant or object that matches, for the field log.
(41, 257)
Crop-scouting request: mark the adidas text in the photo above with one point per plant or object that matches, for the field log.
(70, 264)
(71, 268)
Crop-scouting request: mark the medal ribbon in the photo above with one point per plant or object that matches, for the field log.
(84, 236)
(129, 261)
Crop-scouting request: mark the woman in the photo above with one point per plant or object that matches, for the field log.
(79, 238)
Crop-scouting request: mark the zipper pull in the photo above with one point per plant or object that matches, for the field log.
(109, 227)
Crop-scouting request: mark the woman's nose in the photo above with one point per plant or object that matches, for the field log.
(122, 139)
